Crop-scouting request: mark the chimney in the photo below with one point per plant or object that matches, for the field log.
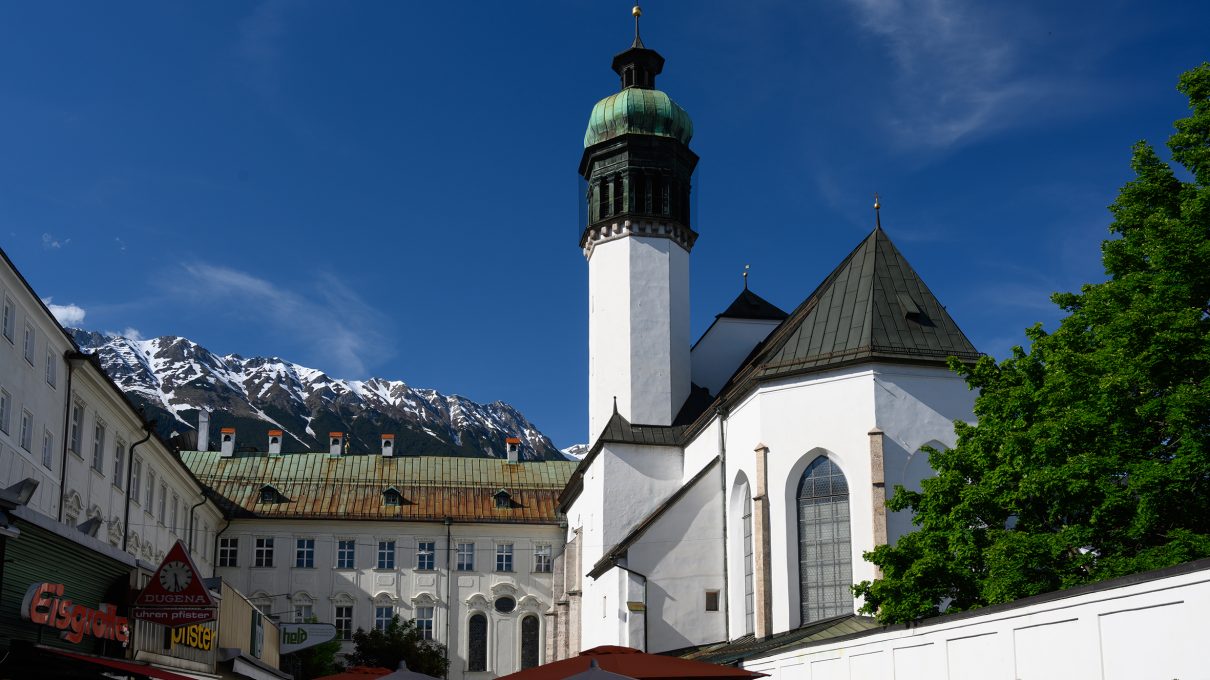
(203, 430)
(336, 442)
(512, 446)
(227, 442)
(275, 442)
(388, 445)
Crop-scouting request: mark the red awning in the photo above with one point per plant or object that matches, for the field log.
(634, 664)
(118, 664)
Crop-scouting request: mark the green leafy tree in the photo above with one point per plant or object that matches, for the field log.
(400, 641)
(317, 661)
(1090, 456)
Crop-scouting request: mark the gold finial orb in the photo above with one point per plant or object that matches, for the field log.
(637, 11)
(876, 204)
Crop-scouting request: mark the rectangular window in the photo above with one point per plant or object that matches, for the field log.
(382, 617)
(345, 553)
(344, 622)
(303, 613)
(304, 553)
(424, 622)
(27, 431)
(504, 557)
(542, 561)
(52, 366)
(176, 514)
(163, 502)
(119, 463)
(149, 506)
(386, 555)
(6, 406)
(29, 343)
(426, 555)
(76, 443)
(466, 557)
(264, 552)
(10, 315)
(711, 600)
(98, 447)
(136, 478)
(48, 449)
(228, 552)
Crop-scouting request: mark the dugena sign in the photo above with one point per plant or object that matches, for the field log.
(44, 605)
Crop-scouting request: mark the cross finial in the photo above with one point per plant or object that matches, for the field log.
(746, 276)
(637, 12)
(877, 214)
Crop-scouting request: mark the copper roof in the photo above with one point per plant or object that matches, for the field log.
(322, 486)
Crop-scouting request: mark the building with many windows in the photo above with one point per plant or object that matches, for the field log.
(466, 547)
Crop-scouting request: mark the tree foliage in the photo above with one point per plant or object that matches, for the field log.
(400, 641)
(1090, 457)
(317, 661)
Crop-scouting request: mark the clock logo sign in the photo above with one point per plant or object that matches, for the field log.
(175, 576)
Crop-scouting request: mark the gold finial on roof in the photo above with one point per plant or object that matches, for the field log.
(637, 12)
(877, 214)
(746, 276)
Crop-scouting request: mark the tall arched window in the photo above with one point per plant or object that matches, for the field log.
(749, 590)
(476, 657)
(529, 642)
(825, 568)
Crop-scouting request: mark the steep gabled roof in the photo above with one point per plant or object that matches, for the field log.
(749, 305)
(873, 306)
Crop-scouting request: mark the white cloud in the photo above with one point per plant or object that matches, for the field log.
(49, 242)
(959, 71)
(341, 329)
(120, 242)
(67, 315)
(131, 334)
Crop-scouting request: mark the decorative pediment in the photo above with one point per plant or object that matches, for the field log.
(504, 588)
(302, 597)
(72, 503)
(384, 599)
(424, 599)
(531, 603)
(478, 601)
(115, 530)
(134, 542)
(343, 600)
(94, 512)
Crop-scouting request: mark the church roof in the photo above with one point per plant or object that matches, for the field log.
(749, 305)
(873, 306)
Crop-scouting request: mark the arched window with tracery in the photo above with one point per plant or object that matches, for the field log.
(749, 590)
(825, 566)
(476, 637)
(529, 642)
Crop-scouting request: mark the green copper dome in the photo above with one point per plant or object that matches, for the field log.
(638, 111)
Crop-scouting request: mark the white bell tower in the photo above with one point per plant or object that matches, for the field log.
(637, 241)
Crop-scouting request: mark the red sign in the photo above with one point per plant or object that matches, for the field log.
(174, 617)
(175, 584)
(45, 605)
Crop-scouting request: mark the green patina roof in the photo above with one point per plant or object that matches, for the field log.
(638, 111)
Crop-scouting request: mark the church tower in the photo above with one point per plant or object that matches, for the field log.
(637, 240)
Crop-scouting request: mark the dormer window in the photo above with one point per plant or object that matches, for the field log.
(269, 495)
(392, 497)
(503, 500)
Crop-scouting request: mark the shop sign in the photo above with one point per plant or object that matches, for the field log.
(196, 636)
(45, 605)
(173, 617)
(175, 595)
(296, 636)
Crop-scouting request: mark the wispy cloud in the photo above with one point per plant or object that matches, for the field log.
(50, 242)
(131, 333)
(341, 329)
(66, 315)
(120, 243)
(959, 71)
(260, 45)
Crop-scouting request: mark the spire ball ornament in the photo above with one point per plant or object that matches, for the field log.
(637, 11)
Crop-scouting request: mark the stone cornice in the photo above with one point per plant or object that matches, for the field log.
(603, 232)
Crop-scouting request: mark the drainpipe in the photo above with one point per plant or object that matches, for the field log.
(449, 592)
(192, 508)
(214, 564)
(722, 461)
(68, 357)
(646, 618)
(130, 476)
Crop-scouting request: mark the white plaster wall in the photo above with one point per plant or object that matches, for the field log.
(724, 345)
(603, 614)
(405, 587)
(1154, 629)
(682, 556)
(638, 331)
(637, 479)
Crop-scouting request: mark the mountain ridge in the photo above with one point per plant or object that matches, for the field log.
(172, 378)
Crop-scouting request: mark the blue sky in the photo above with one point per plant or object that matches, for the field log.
(389, 189)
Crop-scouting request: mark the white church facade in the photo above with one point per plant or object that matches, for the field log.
(733, 483)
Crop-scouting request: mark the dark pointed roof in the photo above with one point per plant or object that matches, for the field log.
(873, 306)
(749, 305)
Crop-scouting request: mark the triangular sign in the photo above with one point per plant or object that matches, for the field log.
(176, 583)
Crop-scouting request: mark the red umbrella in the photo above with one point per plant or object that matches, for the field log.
(634, 664)
(358, 673)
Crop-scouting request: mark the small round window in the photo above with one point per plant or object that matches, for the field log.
(505, 604)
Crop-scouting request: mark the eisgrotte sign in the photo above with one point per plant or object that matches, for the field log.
(45, 605)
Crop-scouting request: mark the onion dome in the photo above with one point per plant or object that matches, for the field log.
(636, 110)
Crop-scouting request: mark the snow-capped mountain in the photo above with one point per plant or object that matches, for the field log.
(171, 378)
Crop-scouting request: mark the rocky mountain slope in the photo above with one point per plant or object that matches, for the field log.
(171, 378)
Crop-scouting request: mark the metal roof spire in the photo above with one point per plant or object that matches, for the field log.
(877, 214)
(637, 12)
(746, 276)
